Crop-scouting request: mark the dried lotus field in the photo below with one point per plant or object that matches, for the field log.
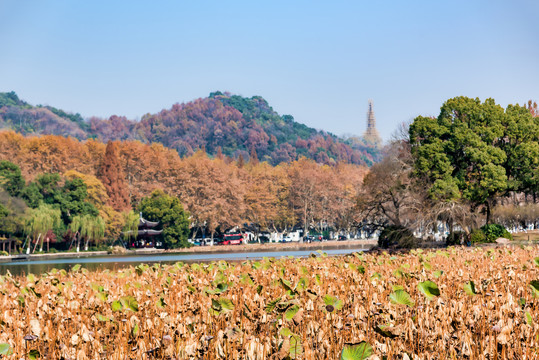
(456, 303)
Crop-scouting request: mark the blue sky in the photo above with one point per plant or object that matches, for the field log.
(319, 61)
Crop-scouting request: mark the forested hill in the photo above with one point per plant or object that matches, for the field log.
(234, 125)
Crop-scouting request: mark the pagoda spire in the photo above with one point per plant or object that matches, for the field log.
(371, 134)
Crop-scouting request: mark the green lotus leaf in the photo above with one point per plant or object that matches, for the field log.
(534, 284)
(429, 289)
(529, 319)
(469, 288)
(286, 285)
(271, 305)
(135, 330)
(302, 284)
(101, 318)
(5, 349)
(33, 354)
(359, 351)
(401, 297)
(290, 312)
(401, 274)
(116, 306)
(160, 303)
(296, 348)
(226, 305)
(376, 275)
(333, 301)
(129, 302)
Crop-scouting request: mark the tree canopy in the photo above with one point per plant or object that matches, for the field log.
(476, 151)
(169, 211)
(11, 178)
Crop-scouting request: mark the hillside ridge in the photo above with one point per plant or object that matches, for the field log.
(222, 123)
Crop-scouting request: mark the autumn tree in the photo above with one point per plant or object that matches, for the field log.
(261, 195)
(212, 192)
(389, 196)
(96, 193)
(304, 189)
(532, 108)
(112, 176)
(348, 180)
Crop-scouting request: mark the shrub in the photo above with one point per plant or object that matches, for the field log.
(99, 247)
(507, 234)
(4, 253)
(397, 236)
(494, 231)
(477, 236)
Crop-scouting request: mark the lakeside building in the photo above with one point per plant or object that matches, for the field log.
(146, 235)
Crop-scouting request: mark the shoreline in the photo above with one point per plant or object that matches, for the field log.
(269, 247)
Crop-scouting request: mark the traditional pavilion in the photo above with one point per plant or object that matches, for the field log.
(145, 234)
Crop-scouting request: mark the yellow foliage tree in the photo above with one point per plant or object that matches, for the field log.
(97, 193)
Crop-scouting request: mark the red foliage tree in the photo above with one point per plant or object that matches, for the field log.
(112, 176)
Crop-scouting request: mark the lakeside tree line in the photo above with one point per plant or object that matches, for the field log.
(112, 182)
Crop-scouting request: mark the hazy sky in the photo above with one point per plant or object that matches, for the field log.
(319, 61)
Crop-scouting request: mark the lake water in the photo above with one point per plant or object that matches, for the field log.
(114, 262)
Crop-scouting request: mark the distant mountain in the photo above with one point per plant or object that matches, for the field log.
(231, 124)
(27, 119)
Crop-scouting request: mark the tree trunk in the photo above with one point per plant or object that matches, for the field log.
(29, 244)
(305, 225)
(42, 241)
(37, 242)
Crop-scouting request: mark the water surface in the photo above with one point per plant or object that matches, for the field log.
(114, 262)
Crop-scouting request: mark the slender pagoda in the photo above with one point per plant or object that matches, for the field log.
(145, 234)
(371, 134)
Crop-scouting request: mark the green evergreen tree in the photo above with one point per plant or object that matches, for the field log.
(459, 153)
(11, 178)
(169, 211)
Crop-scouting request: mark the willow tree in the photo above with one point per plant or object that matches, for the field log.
(88, 226)
(39, 221)
(75, 227)
(93, 229)
(131, 221)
